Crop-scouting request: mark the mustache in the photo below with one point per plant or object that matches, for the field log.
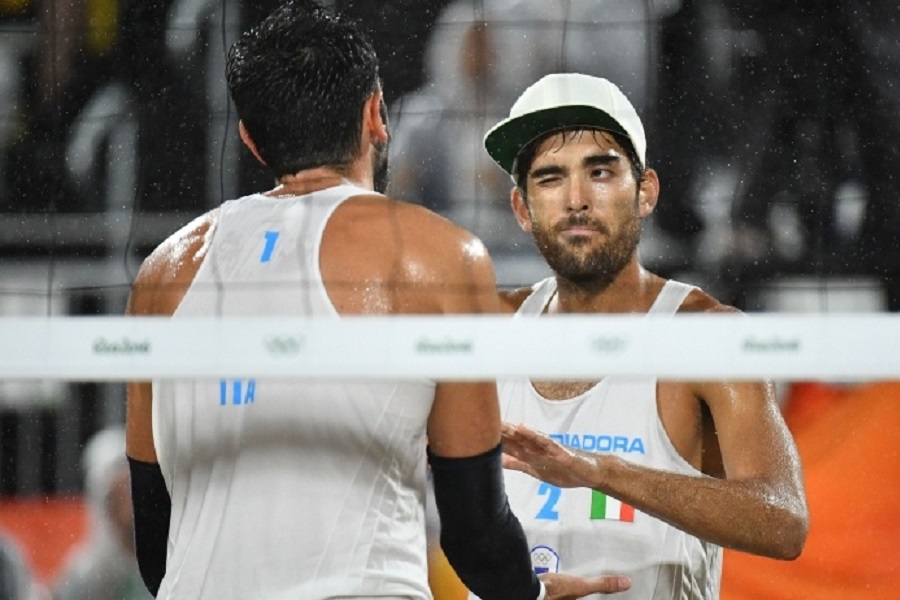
(582, 220)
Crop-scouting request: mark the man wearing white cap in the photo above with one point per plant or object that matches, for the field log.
(640, 477)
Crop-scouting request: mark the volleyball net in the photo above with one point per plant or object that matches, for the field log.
(784, 346)
(116, 130)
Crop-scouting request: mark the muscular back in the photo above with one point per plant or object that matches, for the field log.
(379, 256)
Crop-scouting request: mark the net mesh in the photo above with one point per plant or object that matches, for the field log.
(116, 130)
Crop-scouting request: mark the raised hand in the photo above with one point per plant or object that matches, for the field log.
(542, 457)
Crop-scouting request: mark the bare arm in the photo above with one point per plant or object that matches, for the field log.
(138, 425)
(465, 416)
(150, 500)
(759, 507)
(157, 290)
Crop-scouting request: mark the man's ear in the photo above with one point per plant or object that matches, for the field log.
(248, 141)
(520, 208)
(648, 193)
(374, 123)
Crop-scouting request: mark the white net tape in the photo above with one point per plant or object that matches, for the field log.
(783, 346)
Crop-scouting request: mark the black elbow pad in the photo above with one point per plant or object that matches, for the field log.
(481, 537)
(152, 511)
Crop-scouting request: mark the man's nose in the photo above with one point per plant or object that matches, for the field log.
(579, 198)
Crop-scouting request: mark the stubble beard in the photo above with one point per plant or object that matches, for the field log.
(591, 269)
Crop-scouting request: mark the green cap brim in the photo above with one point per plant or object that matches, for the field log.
(504, 142)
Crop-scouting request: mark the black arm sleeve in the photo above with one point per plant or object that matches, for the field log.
(482, 538)
(152, 510)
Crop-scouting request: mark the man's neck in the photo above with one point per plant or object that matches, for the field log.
(320, 178)
(633, 290)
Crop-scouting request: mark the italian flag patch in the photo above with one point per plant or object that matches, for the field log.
(610, 509)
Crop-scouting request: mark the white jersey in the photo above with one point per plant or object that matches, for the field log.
(582, 531)
(288, 489)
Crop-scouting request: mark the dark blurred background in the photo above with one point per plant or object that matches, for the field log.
(773, 126)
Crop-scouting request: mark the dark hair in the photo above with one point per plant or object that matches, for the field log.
(526, 156)
(299, 81)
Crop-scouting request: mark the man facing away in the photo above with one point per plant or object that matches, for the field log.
(642, 477)
(276, 489)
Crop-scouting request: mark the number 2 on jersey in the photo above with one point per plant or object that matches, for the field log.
(548, 510)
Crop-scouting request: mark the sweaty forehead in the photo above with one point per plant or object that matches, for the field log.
(580, 142)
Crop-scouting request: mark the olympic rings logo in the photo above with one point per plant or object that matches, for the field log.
(284, 345)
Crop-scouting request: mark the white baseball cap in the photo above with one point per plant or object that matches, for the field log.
(564, 101)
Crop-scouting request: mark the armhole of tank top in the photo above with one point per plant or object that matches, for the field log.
(524, 311)
(672, 291)
(158, 445)
(316, 262)
(541, 293)
(205, 264)
(317, 252)
(686, 468)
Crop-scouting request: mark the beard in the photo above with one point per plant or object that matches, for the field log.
(380, 171)
(576, 261)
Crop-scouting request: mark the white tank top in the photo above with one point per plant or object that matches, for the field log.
(288, 489)
(581, 531)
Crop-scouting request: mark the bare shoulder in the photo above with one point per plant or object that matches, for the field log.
(699, 301)
(425, 231)
(751, 393)
(415, 248)
(415, 222)
(167, 272)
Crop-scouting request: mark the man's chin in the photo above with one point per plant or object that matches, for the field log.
(573, 269)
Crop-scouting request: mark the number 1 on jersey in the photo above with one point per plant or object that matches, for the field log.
(271, 238)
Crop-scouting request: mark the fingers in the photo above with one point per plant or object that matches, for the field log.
(527, 446)
(515, 464)
(567, 587)
(515, 431)
(535, 440)
(508, 434)
(513, 443)
(609, 584)
(525, 437)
